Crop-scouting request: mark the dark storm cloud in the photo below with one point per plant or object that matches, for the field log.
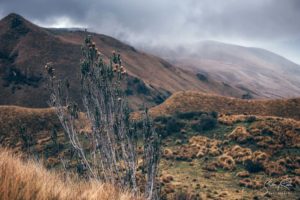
(170, 21)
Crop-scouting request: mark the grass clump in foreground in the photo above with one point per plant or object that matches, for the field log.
(27, 180)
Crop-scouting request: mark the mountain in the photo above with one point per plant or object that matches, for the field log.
(261, 73)
(25, 48)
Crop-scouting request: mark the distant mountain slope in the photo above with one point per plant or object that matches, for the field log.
(260, 72)
(196, 101)
(25, 48)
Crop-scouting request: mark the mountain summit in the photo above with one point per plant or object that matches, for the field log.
(16, 24)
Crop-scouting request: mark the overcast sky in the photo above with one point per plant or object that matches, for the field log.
(270, 24)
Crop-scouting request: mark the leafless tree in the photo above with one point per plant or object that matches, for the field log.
(112, 156)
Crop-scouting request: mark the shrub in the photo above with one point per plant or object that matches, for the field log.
(250, 119)
(26, 138)
(128, 92)
(13, 76)
(161, 130)
(138, 85)
(189, 115)
(142, 88)
(136, 80)
(253, 167)
(162, 119)
(202, 77)
(247, 96)
(113, 139)
(205, 122)
(158, 99)
(214, 114)
(174, 126)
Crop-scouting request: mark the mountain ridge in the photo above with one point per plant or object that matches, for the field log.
(25, 48)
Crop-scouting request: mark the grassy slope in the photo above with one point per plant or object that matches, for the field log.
(197, 101)
(12, 117)
(184, 172)
(191, 175)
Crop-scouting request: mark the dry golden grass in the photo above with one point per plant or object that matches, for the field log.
(27, 180)
(196, 101)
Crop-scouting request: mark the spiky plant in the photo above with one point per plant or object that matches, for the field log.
(112, 156)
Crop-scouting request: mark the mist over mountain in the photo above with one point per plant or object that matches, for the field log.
(264, 73)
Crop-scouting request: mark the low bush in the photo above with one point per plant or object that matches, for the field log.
(189, 115)
(128, 92)
(174, 126)
(251, 119)
(158, 99)
(202, 77)
(205, 122)
(253, 167)
(162, 119)
(142, 88)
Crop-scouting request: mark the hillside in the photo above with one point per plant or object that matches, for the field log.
(25, 48)
(27, 180)
(262, 73)
(239, 157)
(232, 158)
(34, 123)
(43, 120)
(38, 122)
(196, 101)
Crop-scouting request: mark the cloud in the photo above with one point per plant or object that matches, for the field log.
(170, 22)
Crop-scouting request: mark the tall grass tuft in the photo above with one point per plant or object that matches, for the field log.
(26, 180)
